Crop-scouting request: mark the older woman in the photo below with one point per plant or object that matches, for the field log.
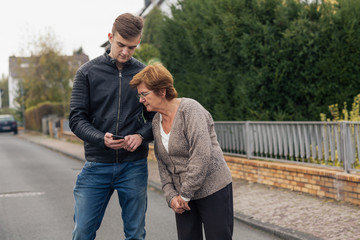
(195, 178)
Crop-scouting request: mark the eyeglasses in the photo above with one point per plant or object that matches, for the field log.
(143, 94)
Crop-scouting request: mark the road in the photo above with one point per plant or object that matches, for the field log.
(36, 199)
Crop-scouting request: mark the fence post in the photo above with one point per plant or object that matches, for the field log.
(344, 141)
(248, 139)
(51, 132)
(61, 129)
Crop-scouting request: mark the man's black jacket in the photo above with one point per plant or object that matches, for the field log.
(102, 101)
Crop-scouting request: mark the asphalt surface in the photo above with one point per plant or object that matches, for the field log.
(284, 213)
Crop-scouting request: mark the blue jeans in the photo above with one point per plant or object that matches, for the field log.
(94, 187)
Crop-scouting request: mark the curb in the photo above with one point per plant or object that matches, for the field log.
(281, 232)
(54, 149)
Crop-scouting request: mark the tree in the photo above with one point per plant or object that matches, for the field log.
(47, 78)
(4, 94)
(78, 51)
(5, 99)
(152, 27)
(147, 53)
(263, 59)
(149, 47)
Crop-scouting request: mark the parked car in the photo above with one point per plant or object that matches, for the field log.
(8, 123)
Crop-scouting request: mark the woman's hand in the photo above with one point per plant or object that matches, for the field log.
(175, 206)
(184, 204)
(178, 205)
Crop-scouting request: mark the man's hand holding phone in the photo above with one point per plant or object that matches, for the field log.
(114, 141)
(129, 143)
(117, 137)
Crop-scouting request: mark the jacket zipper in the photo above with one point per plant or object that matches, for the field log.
(118, 114)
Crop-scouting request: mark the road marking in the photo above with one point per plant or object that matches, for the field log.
(21, 194)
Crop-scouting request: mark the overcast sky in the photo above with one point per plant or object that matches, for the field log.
(75, 23)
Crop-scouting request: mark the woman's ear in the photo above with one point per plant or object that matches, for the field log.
(163, 92)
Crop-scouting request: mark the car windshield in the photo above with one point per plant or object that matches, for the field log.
(6, 118)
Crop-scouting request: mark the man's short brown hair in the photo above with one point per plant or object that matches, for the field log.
(128, 26)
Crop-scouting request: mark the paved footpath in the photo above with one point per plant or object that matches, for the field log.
(287, 214)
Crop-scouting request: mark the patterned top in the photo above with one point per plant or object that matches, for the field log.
(194, 166)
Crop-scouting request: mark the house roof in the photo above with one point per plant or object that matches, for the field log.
(17, 63)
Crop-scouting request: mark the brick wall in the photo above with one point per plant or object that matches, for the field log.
(321, 182)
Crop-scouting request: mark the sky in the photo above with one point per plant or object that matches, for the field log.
(74, 23)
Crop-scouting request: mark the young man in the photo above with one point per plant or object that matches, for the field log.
(104, 105)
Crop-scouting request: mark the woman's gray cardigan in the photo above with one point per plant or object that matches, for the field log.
(194, 167)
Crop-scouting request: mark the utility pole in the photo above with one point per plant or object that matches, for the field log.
(23, 104)
(1, 93)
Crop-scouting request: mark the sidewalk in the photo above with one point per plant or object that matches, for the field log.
(287, 214)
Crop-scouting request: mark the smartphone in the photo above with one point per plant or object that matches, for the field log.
(116, 137)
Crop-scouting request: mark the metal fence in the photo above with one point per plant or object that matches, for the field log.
(332, 144)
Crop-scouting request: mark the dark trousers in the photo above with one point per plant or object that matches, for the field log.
(215, 212)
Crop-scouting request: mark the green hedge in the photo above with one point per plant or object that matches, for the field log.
(34, 115)
(263, 59)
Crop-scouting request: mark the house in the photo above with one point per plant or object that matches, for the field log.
(164, 6)
(18, 65)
